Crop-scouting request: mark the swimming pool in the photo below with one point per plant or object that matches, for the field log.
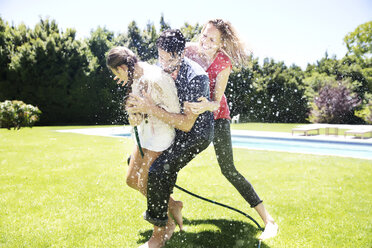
(334, 146)
(309, 146)
(301, 145)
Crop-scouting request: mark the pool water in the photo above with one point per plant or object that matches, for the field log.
(345, 148)
(320, 147)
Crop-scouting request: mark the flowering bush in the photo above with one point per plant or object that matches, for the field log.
(17, 114)
(334, 104)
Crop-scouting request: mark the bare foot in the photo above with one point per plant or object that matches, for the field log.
(145, 245)
(157, 239)
(169, 229)
(271, 230)
(175, 211)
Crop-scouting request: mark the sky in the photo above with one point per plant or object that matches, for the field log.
(294, 31)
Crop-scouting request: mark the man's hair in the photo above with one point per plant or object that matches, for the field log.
(172, 41)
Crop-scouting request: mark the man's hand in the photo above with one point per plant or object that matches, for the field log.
(137, 104)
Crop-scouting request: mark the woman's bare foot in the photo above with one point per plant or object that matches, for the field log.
(175, 210)
(145, 245)
(271, 230)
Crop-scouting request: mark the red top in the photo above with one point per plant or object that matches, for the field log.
(220, 63)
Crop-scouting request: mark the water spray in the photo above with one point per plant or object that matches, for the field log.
(193, 194)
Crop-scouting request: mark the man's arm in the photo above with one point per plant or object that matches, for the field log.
(135, 119)
(182, 121)
(145, 104)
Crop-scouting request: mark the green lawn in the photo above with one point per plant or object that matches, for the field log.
(269, 127)
(68, 190)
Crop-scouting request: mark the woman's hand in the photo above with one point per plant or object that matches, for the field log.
(201, 106)
(118, 81)
(137, 104)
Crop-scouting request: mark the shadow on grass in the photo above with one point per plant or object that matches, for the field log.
(231, 234)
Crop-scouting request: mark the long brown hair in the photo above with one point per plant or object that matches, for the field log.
(232, 44)
(120, 55)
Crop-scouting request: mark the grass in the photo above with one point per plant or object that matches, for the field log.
(269, 127)
(68, 190)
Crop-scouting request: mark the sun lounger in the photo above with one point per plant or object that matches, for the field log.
(235, 119)
(305, 129)
(328, 129)
(359, 131)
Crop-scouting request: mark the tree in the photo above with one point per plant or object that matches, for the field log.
(143, 43)
(70, 83)
(10, 39)
(359, 42)
(350, 69)
(239, 91)
(150, 51)
(366, 112)
(191, 32)
(163, 25)
(100, 97)
(4, 58)
(279, 93)
(44, 68)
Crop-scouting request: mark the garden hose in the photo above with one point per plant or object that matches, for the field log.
(138, 141)
(220, 204)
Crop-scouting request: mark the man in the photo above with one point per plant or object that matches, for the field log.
(193, 132)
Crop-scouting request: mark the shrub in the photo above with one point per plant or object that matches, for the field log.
(366, 113)
(17, 114)
(335, 103)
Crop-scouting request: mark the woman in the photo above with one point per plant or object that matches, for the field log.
(218, 45)
(155, 136)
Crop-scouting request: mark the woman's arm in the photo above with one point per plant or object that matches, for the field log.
(219, 90)
(221, 83)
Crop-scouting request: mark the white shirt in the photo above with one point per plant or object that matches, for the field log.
(154, 134)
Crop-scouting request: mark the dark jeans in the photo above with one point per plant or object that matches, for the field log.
(163, 175)
(224, 154)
